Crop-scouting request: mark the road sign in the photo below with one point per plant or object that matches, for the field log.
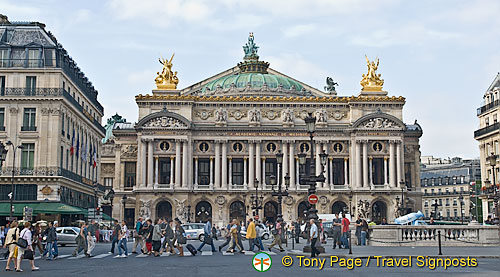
(313, 199)
(28, 214)
(257, 217)
(11, 218)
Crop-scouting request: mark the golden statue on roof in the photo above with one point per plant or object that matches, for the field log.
(166, 79)
(371, 81)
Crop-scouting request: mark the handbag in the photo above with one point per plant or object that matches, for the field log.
(21, 242)
(208, 239)
(28, 254)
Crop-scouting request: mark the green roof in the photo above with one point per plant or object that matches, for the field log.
(256, 80)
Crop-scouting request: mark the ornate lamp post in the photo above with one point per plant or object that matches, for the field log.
(461, 199)
(256, 200)
(280, 193)
(12, 194)
(110, 195)
(435, 206)
(350, 202)
(493, 188)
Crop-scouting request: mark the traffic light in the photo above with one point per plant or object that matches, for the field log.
(97, 211)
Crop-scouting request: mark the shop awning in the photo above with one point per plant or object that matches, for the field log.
(47, 208)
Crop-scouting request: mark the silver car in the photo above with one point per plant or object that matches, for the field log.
(194, 230)
(67, 235)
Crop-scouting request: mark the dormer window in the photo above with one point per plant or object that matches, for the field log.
(4, 57)
(33, 57)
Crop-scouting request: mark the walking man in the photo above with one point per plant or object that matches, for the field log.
(277, 237)
(81, 242)
(114, 236)
(251, 235)
(314, 237)
(138, 239)
(208, 239)
(345, 231)
(91, 238)
(51, 239)
(337, 224)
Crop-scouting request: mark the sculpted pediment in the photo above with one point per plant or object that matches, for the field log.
(165, 122)
(379, 121)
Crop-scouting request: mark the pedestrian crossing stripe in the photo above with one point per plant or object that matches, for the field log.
(101, 256)
(249, 253)
(77, 257)
(63, 256)
(207, 253)
(187, 253)
(142, 256)
(270, 252)
(227, 253)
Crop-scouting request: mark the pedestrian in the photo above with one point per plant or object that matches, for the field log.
(234, 237)
(138, 239)
(37, 239)
(314, 238)
(215, 232)
(337, 225)
(358, 225)
(2, 235)
(297, 231)
(168, 244)
(180, 237)
(384, 221)
(276, 231)
(81, 241)
(51, 238)
(10, 242)
(114, 236)
(259, 229)
(345, 231)
(91, 238)
(122, 240)
(156, 237)
(26, 251)
(251, 234)
(148, 232)
(207, 236)
(54, 245)
(364, 231)
(227, 235)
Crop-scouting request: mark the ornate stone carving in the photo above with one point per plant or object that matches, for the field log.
(129, 151)
(165, 122)
(220, 117)
(46, 190)
(13, 110)
(204, 114)
(287, 116)
(254, 117)
(323, 200)
(179, 208)
(108, 168)
(238, 114)
(145, 209)
(338, 115)
(271, 115)
(321, 118)
(45, 111)
(379, 123)
(220, 200)
(289, 200)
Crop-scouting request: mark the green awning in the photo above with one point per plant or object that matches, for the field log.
(106, 217)
(47, 208)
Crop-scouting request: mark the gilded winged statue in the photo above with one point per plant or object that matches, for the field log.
(166, 79)
(371, 81)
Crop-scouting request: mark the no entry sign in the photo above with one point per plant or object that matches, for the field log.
(313, 199)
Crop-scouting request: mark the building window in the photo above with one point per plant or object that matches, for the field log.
(67, 158)
(62, 125)
(448, 213)
(165, 170)
(27, 157)
(426, 203)
(23, 192)
(108, 182)
(29, 119)
(271, 169)
(425, 191)
(455, 212)
(62, 157)
(203, 171)
(2, 119)
(2, 85)
(33, 58)
(454, 202)
(4, 57)
(130, 170)
(238, 171)
(487, 121)
(495, 119)
(30, 85)
(447, 202)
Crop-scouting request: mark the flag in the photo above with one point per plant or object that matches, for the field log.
(78, 145)
(90, 155)
(95, 158)
(72, 149)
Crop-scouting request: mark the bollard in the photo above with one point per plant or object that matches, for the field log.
(350, 246)
(439, 242)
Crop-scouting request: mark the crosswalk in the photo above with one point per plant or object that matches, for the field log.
(165, 254)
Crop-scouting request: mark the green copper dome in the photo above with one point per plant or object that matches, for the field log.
(256, 81)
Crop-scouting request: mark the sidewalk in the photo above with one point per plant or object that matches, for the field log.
(400, 251)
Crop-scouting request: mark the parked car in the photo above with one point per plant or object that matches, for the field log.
(194, 230)
(265, 236)
(65, 235)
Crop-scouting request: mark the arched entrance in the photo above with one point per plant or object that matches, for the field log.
(164, 210)
(339, 207)
(271, 211)
(203, 211)
(379, 211)
(302, 211)
(237, 211)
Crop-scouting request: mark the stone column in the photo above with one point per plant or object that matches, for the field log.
(211, 171)
(196, 164)
(331, 172)
(297, 175)
(365, 164)
(177, 163)
(245, 172)
(398, 164)
(171, 180)
(284, 170)
(346, 172)
(185, 158)
(370, 160)
(156, 171)
(251, 164)
(224, 165)
(189, 162)
(217, 165)
(230, 172)
(385, 171)
(392, 172)
(263, 183)
(143, 163)
(292, 165)
(359, 179)
(150, 163)
(258, 164)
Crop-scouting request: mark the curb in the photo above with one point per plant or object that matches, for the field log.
(396, 256)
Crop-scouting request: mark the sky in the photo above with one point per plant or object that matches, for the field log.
(440, 55)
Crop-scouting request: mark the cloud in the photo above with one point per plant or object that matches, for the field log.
(299, 30)
(18, 11)
(82, 15)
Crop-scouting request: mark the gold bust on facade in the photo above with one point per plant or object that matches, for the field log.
(167, 79)
(371, 81)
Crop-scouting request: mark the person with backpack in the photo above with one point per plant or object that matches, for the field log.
(81, 243)
(51, 239)
(25, 250)
(180, 237)
(156, 237)
(10, 242)
(276, 231)
(251, 234)
(207, 236)
(148, 233)
(259, 229)
(138, 239)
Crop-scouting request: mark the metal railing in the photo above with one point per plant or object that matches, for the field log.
(487, 129)
(488, 107)
(56, 92)
(43, 171)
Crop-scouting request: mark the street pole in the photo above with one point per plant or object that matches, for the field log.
(13, 187)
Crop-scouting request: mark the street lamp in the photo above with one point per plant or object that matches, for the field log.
(256, 200)
(124, 199)
(111, 196)
(12, 194)
(461, 199)
(350, 202)
(493, 189)
(435, 206)
(96, 189)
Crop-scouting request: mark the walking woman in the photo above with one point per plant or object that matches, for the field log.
(26, 251)
(10, 242)
(149, 236)
(37, 239)
(122, 240)
(180, 239)
(234, 237)
(157, 234)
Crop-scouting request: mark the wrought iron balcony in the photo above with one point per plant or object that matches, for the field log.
(488, 107)
(45, 171)
(488, 129)
(33, 92)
